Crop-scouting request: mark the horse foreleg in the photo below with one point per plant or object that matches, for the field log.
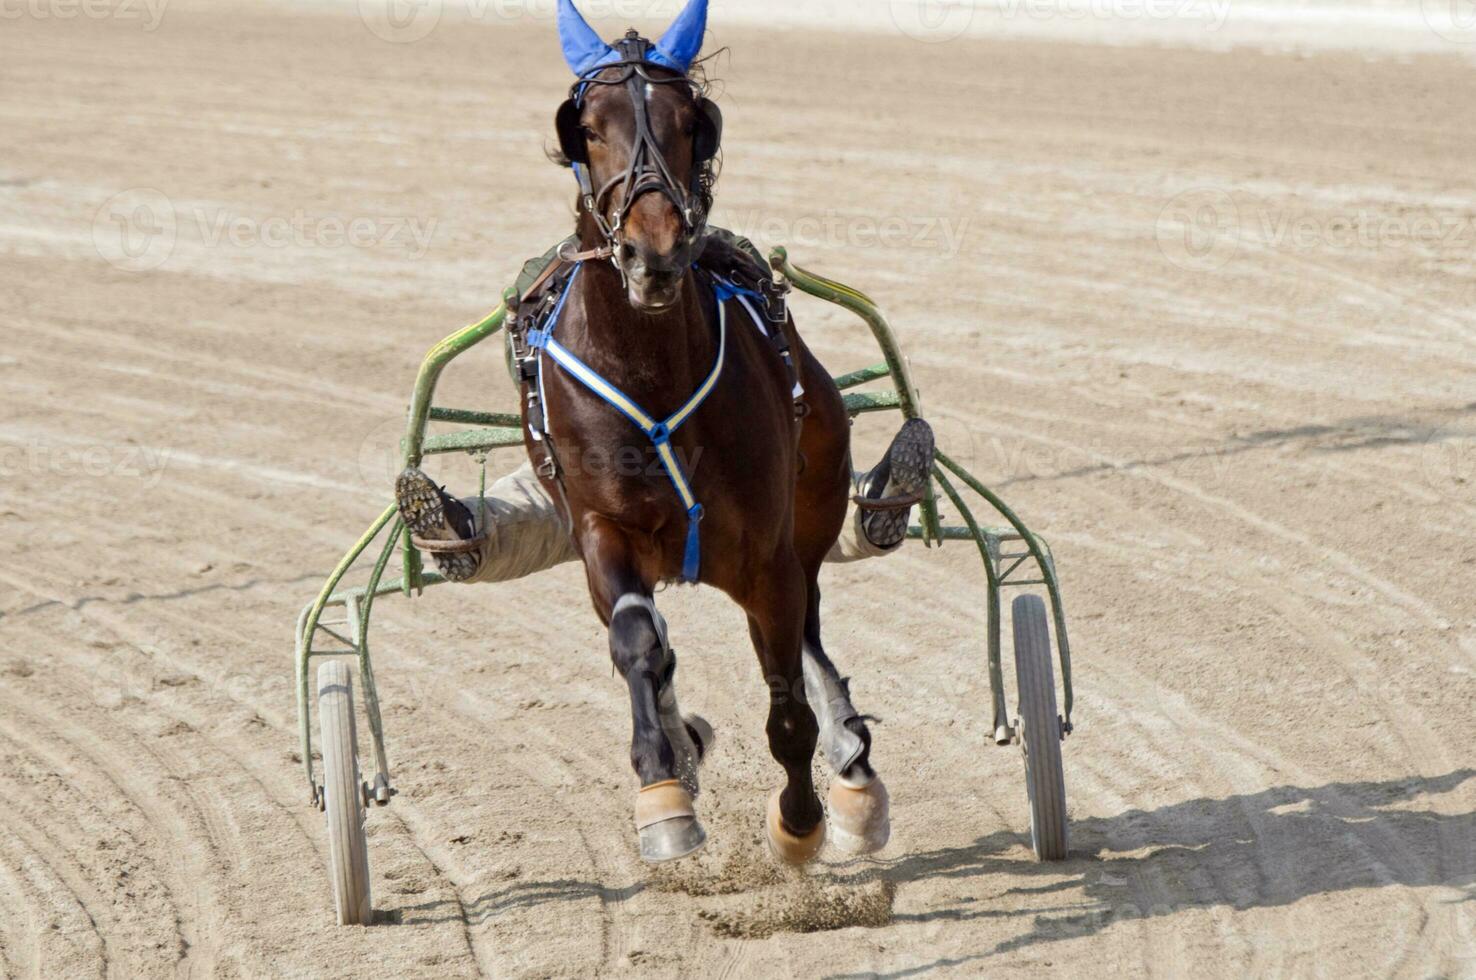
(796, 823)
(661, 747)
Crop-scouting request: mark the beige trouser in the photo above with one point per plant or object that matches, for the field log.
(528, 535)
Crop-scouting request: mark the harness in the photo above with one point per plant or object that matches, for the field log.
(647, 171)
(539, 341)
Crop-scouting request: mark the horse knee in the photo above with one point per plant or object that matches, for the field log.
(792, 732)
(638, 644)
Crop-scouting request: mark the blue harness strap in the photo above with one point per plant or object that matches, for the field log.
(659, 431)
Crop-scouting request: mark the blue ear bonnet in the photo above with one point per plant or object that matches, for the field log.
(585, 51)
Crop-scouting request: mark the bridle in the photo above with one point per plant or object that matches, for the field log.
(648, 171)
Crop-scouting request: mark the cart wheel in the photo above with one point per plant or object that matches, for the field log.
(1040, 728)
(343, 792)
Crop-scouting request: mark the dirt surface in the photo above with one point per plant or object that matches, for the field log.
(1206, 319)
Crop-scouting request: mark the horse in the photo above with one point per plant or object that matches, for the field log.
(648, 353)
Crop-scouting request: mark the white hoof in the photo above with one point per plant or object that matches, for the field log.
(860, 817)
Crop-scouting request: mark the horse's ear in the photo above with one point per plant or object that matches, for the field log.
(584, 50)
(679, 46)
(571, 132)
(708, 136)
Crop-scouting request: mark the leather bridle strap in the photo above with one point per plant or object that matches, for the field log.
(647, 171)
(563, 257)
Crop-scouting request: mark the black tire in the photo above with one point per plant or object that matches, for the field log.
(343, 792)
(1040, 728)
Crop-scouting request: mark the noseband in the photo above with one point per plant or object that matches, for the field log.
(648, 170)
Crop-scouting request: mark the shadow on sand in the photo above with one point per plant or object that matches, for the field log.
(1256, 850)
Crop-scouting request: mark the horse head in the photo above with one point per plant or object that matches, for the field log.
(640, 137)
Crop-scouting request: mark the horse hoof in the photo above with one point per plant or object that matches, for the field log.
(666, 822)
(861, 815)
(702, 735)
(792, 848)
(671, 839)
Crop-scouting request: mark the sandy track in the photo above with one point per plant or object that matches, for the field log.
(1253, 456)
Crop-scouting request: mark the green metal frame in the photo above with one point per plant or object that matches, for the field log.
(484, 431)
(1001, 567)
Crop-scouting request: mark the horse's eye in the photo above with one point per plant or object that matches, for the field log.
(590, 134)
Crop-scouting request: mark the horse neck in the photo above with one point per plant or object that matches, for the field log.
(662, 356)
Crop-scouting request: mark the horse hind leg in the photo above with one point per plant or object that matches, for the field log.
(795, 821)
(860, 809)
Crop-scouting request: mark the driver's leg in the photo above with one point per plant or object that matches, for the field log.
(903, 472)
(523, 530)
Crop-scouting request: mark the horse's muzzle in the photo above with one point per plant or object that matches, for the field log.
(653, 282)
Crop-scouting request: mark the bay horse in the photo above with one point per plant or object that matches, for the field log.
(648, 352)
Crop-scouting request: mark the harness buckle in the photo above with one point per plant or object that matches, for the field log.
(776, 306)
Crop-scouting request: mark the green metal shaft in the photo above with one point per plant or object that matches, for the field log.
(435, 362)
(862, 305)
(1043, 558)
(1000, 725)
(309, 625)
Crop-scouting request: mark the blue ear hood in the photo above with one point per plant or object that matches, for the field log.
(584, 50)
(679, 46)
